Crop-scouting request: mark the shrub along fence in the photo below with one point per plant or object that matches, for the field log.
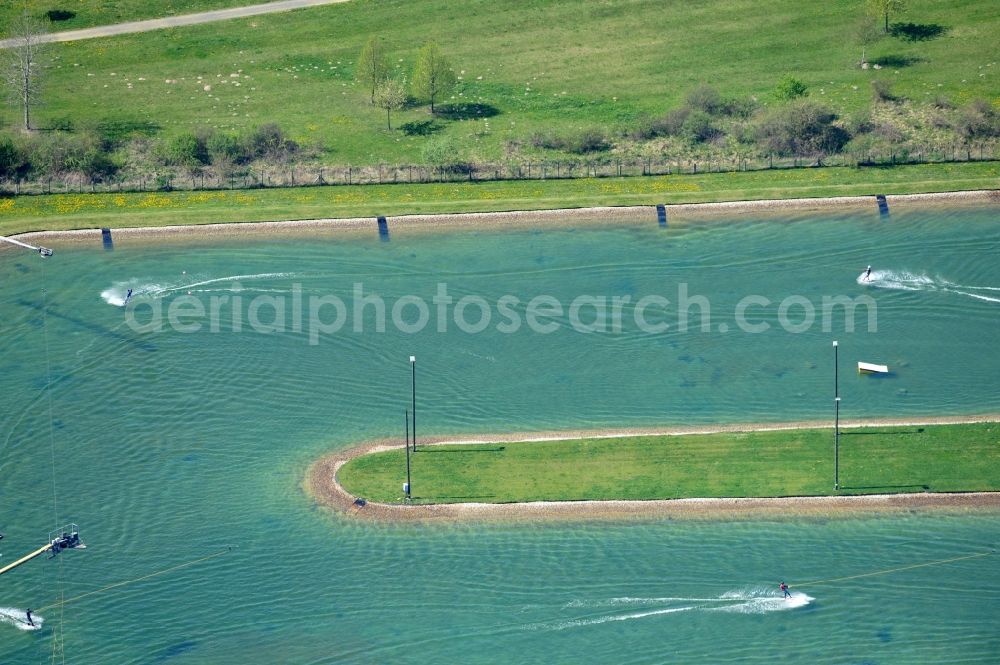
(603, 167)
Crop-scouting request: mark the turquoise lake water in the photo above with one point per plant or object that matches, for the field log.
(169, 446)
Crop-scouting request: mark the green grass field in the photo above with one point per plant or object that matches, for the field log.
(939, 458)
(88, 13)
(560, 66)
(76, 211)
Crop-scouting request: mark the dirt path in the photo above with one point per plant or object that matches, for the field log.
(321, 483)
(175, 21)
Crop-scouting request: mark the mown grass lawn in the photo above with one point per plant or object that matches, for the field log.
(552, 65)
(937, 458)
(75, 211)
(89, 13)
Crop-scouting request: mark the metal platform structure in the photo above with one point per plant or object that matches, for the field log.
(42, 251)
(65, 538)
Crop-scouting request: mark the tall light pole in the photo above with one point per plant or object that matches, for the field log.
(836, 421)
(408, 486)
(836, 369)
(413, 398)
(836, 446)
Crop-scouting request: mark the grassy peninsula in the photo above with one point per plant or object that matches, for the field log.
(799, 462)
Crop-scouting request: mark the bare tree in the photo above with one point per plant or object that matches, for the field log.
(21, 64)
(390, 95)
(372, 65)
(866, 33)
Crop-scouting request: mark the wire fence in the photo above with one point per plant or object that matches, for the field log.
(271, 176)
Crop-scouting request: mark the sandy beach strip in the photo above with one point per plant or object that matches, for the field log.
(321, 483)
(522, 218)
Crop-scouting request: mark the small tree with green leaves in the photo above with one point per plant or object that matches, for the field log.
(373, 67)
(390, 94)
(790, 88)
(432, 74)
(13, 160)
(882, 9)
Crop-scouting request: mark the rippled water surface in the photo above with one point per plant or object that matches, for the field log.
(166, 447)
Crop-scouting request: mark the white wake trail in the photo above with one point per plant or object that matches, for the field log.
(115, 294)
(750, 600)
(902, 280)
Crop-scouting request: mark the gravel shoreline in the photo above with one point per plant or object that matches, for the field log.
(517, 219)
(321, 483)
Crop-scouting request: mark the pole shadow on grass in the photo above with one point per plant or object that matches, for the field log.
(471, 497)
(919, 430)
(452, 452)
(917, 32)
(885, 487)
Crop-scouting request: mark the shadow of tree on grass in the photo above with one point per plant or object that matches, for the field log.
(917, 32)
(897, 61)
(116, 130)
(466, 111)
(420, 128)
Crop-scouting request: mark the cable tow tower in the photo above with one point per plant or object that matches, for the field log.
(42, 251)
(66, 538)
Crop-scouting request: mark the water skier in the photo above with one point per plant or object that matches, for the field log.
(30, 622)
(868, 274)
(128, 296)
(784, 590)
